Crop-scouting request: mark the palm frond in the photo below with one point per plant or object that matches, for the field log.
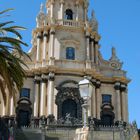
(11, 64)
(7, 10)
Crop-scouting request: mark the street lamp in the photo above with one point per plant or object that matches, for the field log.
(85, 87)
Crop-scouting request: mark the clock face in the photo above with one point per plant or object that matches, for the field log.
(115, 65)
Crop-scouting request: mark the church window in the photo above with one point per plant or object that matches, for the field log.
(106, 98)
(25, 92)
(69, 14)
(70, 53)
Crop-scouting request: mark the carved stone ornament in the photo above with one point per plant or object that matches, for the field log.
(44, 77)
(51, 76)
(114, 61)
(93, 22)
(37, 78)
(41, 17)
(65, 93)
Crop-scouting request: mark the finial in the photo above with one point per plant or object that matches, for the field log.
(114, 60)
(113, 51)
(92, 14)
(114, 56)
(42, 8)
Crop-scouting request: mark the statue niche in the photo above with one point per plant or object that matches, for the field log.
(68, 100)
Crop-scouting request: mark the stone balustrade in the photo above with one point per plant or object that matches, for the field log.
(70, 23)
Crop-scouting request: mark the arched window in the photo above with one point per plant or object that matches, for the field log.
(70, 53)
(69, 14)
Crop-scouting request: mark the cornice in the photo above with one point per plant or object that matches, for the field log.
(82, 72)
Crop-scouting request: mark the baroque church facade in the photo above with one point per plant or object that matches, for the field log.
(65, 48)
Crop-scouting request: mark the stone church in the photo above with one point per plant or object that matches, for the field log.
(65, 48)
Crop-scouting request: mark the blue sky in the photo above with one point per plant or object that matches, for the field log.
(119, 26)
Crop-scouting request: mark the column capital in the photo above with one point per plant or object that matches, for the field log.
(123, 87)
(62, 2)
(93, 81)
(52, 31)
(51, 76)
(52, 2)
(44, 77)
(117, 85)
(92, 39)
(96, 42)
(45, 34)
(87, 34)
(39, 35)
(77, 3)
(98, 84)
(37, 78)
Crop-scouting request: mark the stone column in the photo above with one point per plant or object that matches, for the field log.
(12, 107)
(118, 101)
(45, 35)
(98, 103)
(52, 42)
(52, 32)
(43, 95)
(7, 111)
(62, 9)
(96, 52)
(87, 46)
(38, 46)
(93, 100)
(4, 109)
(50, 97)
(124, 103)
(85, 11)
(92, 50)
(36, 99)
(52, 11)
(77, 10)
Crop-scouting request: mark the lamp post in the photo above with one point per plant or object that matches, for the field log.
(85, 87)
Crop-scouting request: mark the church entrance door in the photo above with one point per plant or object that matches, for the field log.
(107, 120)
(69, 106)
(23, 112)
(23, 118)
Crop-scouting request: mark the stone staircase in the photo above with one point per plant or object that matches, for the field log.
(35, 134)
(28, 134)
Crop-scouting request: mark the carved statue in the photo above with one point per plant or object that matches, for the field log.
(93, 22)
(68, 118)
(41, 17)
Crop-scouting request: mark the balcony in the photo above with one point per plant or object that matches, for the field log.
(70, 23)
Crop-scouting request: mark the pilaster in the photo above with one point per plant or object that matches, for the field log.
(118, 101)
(92, 50)
(93, 99)
(124, 103)
(96, 53)
(87, 46)
(98, 100)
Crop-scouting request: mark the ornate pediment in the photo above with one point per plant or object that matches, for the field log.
(69, 40)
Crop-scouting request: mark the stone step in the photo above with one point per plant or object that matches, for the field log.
(35, 134)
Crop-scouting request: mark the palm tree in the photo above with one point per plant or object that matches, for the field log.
(12, 73)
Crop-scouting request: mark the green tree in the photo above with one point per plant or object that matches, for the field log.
(12, 73)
